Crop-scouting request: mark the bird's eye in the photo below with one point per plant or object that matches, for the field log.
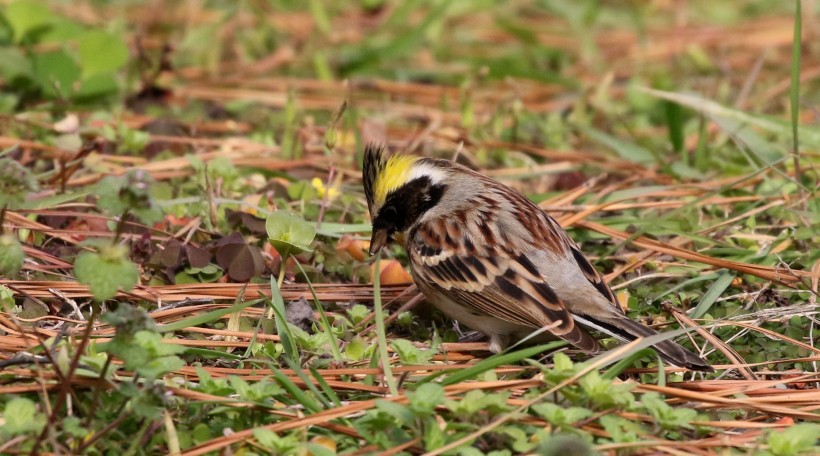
(388, 213)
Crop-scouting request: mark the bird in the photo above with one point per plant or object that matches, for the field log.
(491, 259)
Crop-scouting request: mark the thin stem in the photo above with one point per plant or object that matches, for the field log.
(121, 226)
(794, 96)
(282, 267)
(279, 280)
(325, 198)
(3, 218)
(65, 386)
(95, 401)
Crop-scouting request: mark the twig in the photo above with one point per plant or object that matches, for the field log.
(65, 386)
(732, 355)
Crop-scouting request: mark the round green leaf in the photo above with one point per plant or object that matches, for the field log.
(130, 192)
(21, 417)
(101, 52)
(426, 398)
(14, 63)
(60, 31)
(409, 354)
(16, 182)
(98, 85)
(106, 272)
(356, 349)
(11, 255)
(289, 233)
(55, 72)
(25, 16)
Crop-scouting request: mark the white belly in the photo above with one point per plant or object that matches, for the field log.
(500, 332)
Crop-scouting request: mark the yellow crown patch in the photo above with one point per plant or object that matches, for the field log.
(392, 176)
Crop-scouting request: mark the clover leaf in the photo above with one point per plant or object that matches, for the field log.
(106, 271)
(409, 354)
(16, 181)
(289, 234)
(21, 417)
(131, 192)
(11, 255)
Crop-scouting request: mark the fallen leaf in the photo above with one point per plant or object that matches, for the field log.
(300, 313)
(354, 247)
(623, 299)
(392, 273)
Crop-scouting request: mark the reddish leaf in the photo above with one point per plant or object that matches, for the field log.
(197, 257)
(239, 260)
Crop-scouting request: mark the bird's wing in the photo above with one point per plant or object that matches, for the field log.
(500, 283)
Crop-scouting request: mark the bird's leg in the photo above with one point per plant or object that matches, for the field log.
(471, 336)
(499, 342)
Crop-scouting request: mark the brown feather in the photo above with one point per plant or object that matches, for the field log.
(508, 289)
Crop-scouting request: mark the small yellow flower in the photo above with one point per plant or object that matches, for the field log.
(332, 191)
(251, 204)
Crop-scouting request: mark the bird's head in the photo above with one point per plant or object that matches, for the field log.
(399, 189)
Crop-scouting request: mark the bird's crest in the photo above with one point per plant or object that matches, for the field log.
(384, 173)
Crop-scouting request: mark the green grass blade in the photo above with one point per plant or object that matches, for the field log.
(627, 150)
(253, 338)
(627, 362)
(55, 200)
(372, 54)
(682, 285)
(309, 384)
(674, 121)
(714, 110)
(338, 229)
(794, 90)
(326, 327)
(639, 348)
(713, 293)
(325, 387)
(492, 362)
(380, 330)
(278, 305)
(305, 400)
(212, 354)
(208, 317)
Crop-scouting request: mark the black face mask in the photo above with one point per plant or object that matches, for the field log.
(403, 208)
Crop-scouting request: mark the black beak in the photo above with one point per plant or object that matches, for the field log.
(378, 240)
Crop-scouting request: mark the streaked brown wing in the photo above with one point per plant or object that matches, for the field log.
(594, 277)
(508, 288)
(589, 272)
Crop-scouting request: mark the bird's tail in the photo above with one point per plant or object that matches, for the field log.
(627, 330)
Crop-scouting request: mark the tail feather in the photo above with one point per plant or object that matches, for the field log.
(627, 330)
